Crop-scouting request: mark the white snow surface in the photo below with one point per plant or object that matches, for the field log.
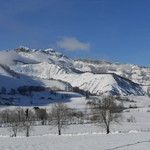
(83, 142)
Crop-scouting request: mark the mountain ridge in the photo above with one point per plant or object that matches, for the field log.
(88, 75)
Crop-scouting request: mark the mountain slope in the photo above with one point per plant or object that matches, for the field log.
(137, 74)
(94, 83)
(97, 77)
(10, 79)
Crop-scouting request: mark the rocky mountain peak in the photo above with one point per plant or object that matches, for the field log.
(22, 49)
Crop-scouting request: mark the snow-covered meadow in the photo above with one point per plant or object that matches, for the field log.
(134, 135)
(84, 141)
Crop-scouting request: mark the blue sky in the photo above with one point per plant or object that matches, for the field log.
(113, 30)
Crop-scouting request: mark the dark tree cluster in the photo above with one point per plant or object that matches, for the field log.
(78, 90)
(26, 90)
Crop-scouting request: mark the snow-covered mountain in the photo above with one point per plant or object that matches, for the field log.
(137, 74)
(9, 79)
(97, 77)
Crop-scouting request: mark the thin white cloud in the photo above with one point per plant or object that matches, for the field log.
(72, 44)
(8, 58)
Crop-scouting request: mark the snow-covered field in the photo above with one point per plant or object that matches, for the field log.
(124, 136)
(127, 141)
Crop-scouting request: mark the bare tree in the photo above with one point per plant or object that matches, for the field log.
(5, 116)
(18, 120)
(3, 90)
(20, 114)
(12, 91)
(27, 126)
(106, 112)
(15, 122)
(21, 120)
(27, 122)
(60, 116)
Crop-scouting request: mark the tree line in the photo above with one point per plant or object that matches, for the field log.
(103, 112)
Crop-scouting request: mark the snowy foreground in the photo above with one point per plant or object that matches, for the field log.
(129, 141)
(125, 136)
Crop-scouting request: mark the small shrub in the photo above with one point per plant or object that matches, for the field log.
(131, 119)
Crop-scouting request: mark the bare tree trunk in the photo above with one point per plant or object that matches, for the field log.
(13, 135)
(59, 131)
(27, 132)
(107, 130)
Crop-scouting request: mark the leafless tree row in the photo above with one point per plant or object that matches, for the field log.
(103, 112)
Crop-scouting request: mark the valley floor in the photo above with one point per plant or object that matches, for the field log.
(129, 141)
